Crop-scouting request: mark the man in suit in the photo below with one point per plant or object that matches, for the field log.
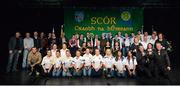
(162, 62)
(15, 48)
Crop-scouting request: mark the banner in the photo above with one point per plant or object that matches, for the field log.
(98, 21)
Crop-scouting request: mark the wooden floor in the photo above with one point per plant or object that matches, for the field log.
(21, 77)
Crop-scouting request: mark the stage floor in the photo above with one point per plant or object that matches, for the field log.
(21, 77)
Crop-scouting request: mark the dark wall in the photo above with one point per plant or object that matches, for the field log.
(164, 20)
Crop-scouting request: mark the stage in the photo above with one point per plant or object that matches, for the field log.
(22, 78)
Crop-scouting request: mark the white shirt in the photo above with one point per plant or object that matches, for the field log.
(97, 60)
(144, 44)
(109, 62)
(77, 61)
(87, 59)
(149, 37)
(127, 42)
(152, 41)
(131, 63)
(67, 62)
(121, 41)
(53, 53)
(120, 64)
(47, 62)
(95, 40)
(131, 40)
(28, 43)
(63, 53)
(57, 62)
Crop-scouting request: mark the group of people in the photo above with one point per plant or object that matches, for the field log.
(108, 56)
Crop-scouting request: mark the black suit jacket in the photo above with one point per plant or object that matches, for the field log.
(12, 43)
(162, 59)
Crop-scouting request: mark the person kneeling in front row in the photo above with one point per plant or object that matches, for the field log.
(131, 65)
(47, 64)
(120, 62)
(77, 64)
(57, 70)
(97, 64)
(87, 58)
(108, 64)
(34, 60)
(67, 65)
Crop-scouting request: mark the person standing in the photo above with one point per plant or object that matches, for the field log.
(132, 38)
(102, 43)
(153, 39)
(162, 62)
(73, 43)
(150, 59)
(28, 44)
(145, 42)
(135, 46)
(37, 41)
(15, 48)
(44, 44)
(141, 57)
(126, 45)
(54, 50)
(63, 39)
(63, 51)
(163, 41)
(80, 41)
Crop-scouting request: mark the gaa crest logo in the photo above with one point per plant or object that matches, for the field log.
(79, 16)
(125, 15)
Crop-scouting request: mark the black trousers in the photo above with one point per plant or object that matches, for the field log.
(161, 71)
(73, 51)
(144, 71)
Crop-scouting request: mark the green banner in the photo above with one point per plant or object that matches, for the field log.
(98, 21)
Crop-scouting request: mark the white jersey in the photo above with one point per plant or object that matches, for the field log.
(57, 62)
(78, 61)
(87, 58)
(67, 62)
(109, 62)
(97, 60)
(131, 63)
(120, 64)
(47, 62)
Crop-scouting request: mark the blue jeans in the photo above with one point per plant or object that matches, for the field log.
(56, 72)
(87, 71)
(108, 72)
(120, 75)
(67, 73)
(12, 56)
(25, 56)
(77, 74)
(125, 50)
